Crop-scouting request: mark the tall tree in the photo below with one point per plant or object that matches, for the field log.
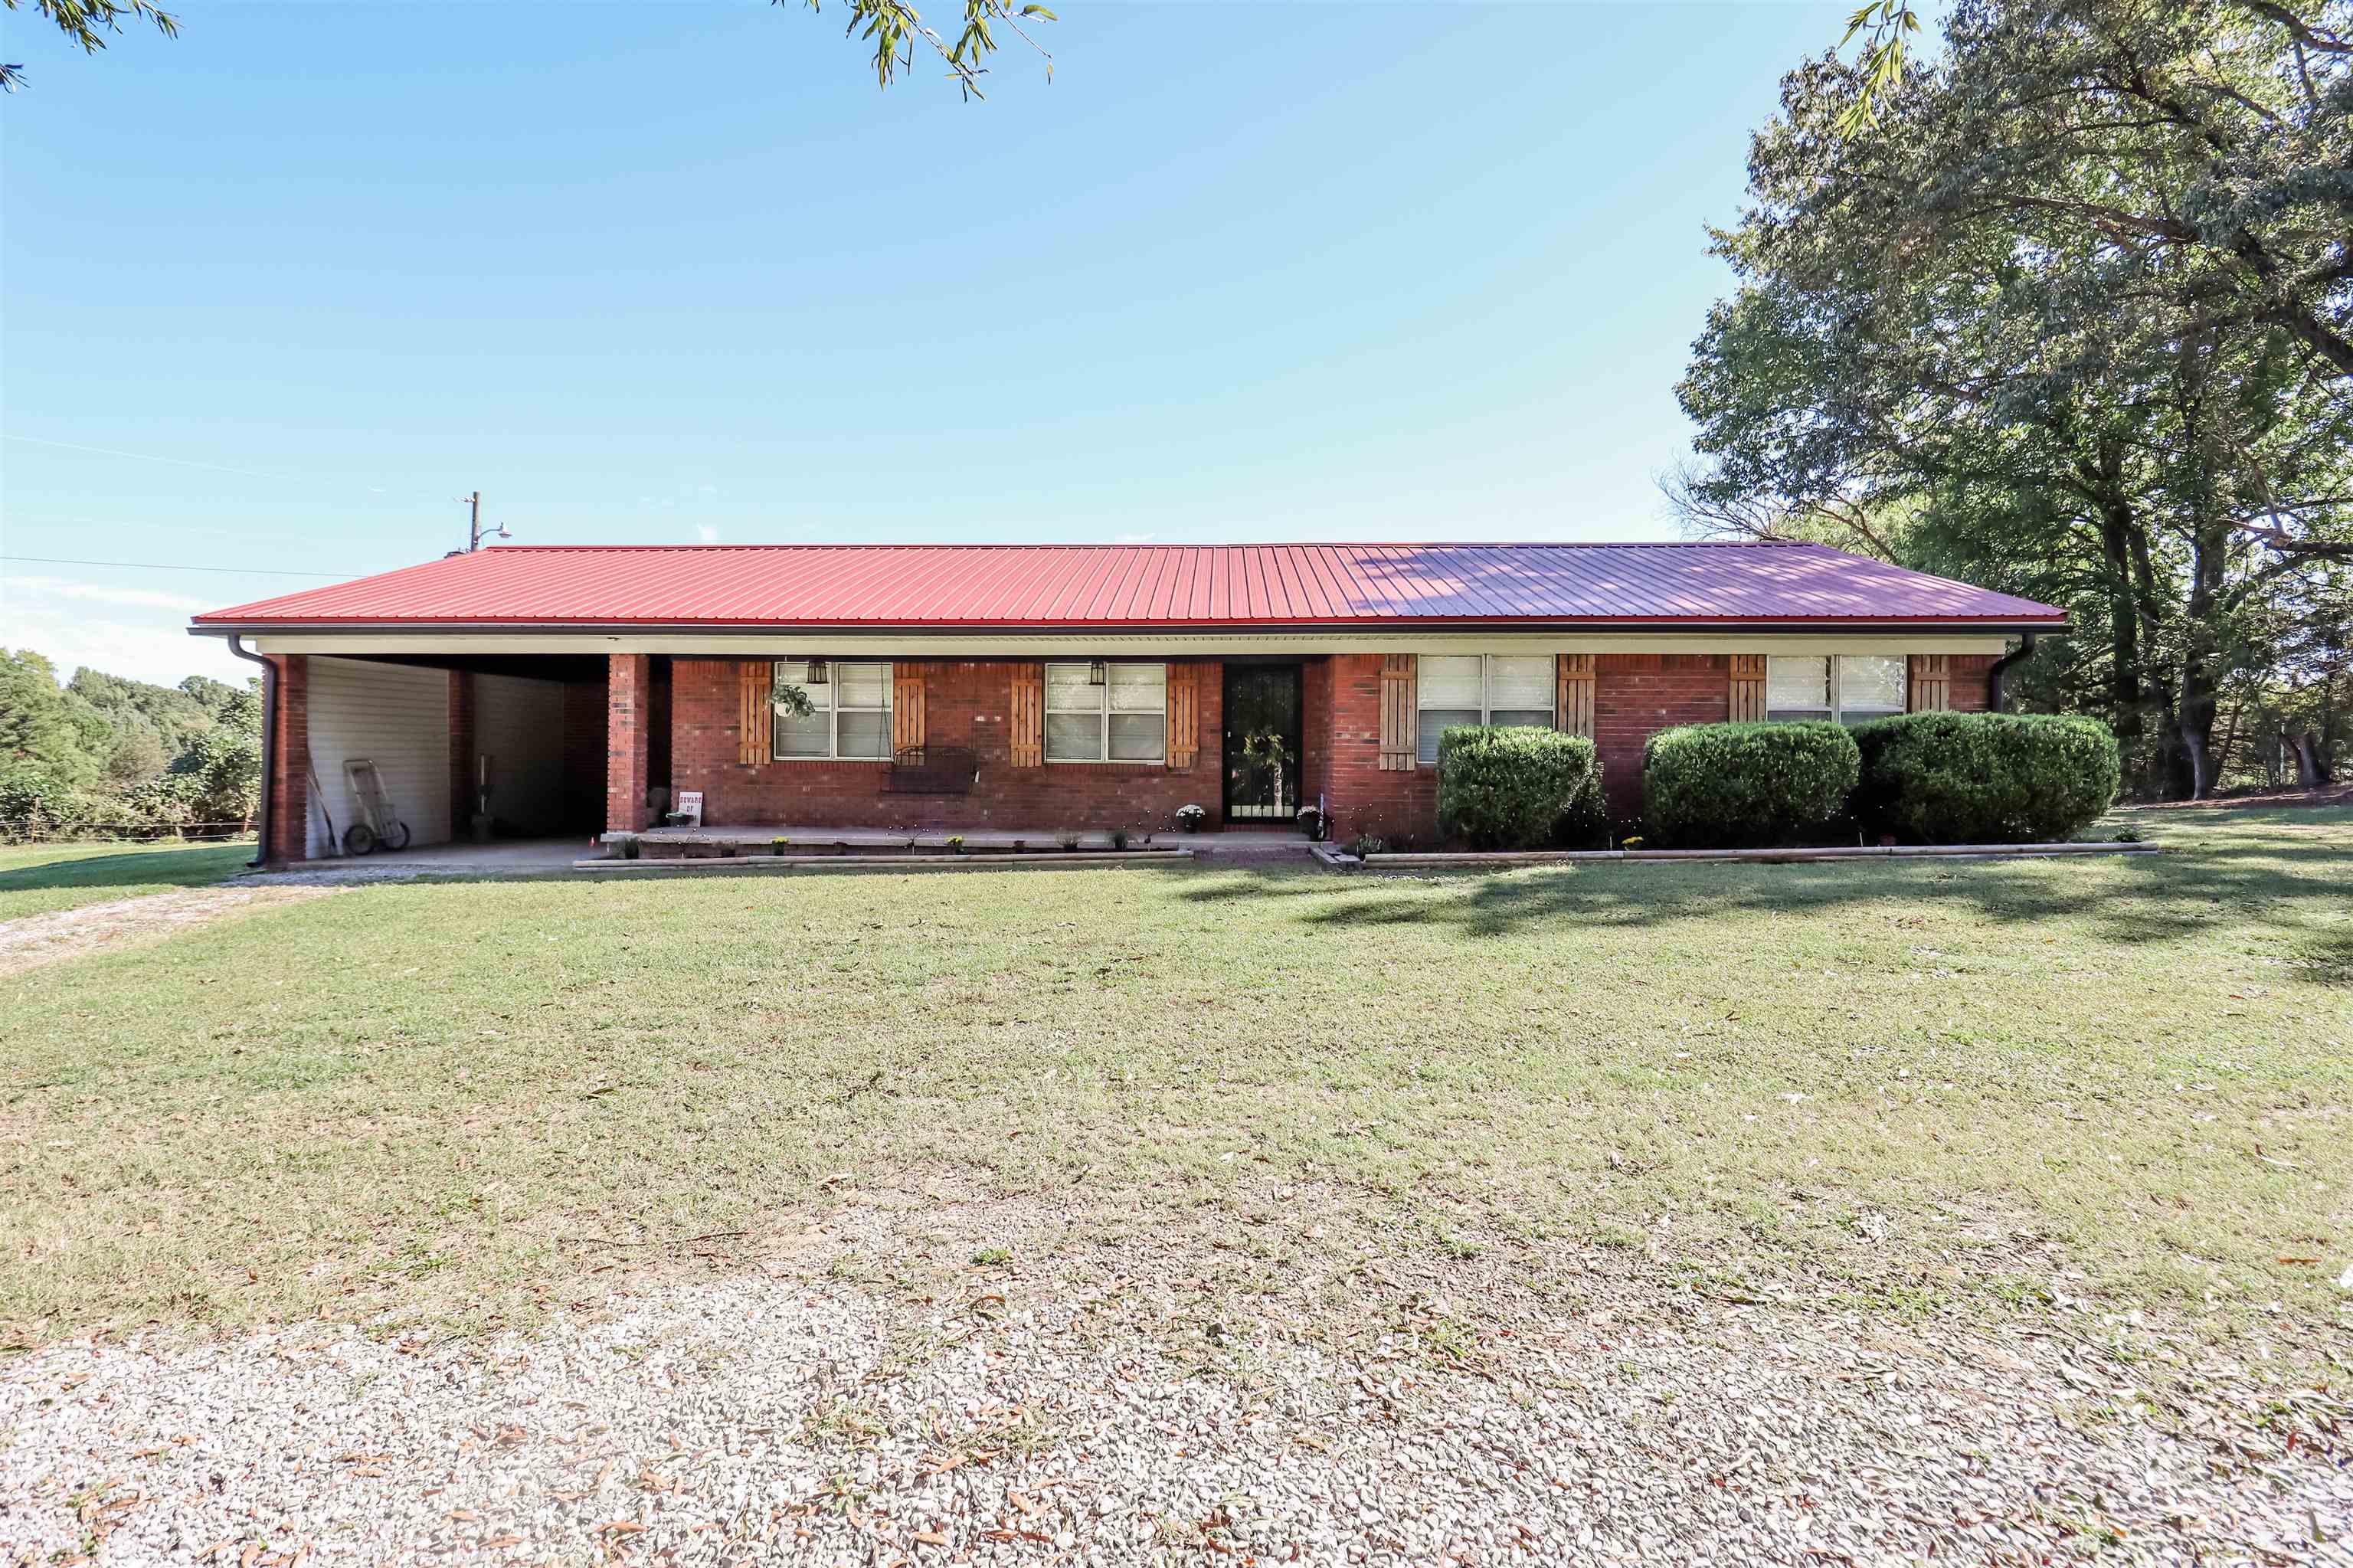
(45, 728)
(2069, 323)
(173, 715)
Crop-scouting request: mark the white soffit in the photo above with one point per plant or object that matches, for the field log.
(851, 644)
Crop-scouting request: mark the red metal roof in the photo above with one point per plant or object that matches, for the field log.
(1115, 587)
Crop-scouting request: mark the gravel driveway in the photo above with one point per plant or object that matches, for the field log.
(1128, 1411)
(34, 939)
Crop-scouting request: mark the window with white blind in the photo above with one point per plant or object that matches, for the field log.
(1847, 689)
(852, 716)
(1480, 688)
(1121, 717)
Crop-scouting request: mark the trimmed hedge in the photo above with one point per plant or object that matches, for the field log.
(1515, 788)
(1975, 779)
(1726, 786)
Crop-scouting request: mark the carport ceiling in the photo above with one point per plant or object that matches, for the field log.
(538, 666)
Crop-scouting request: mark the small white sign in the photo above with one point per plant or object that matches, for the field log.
(689, 806)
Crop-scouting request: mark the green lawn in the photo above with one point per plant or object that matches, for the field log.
(1966, 1085)
(41, 879)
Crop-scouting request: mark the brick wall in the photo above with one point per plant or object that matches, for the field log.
(1364, 799)
(1970, 673)
(1635, 696)
(967, 701)
(290, 806)
(628, 678)
(461, 752)
(965, 704)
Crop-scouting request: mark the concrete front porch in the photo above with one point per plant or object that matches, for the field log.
(501, 857)
(819, 839)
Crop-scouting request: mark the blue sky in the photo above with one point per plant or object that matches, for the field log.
(651, 273)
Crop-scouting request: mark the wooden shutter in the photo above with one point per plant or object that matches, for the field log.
(754, 681)
(1183, 720)
(1931, 682)
(1026, 717)
(1572, 708)
(906, 708)
(1748, 687)
(1398, 713)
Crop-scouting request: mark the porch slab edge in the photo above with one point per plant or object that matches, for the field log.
(1500, 859)
(1037, 861)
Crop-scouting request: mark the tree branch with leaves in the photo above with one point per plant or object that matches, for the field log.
(87, 23)
(896, 30)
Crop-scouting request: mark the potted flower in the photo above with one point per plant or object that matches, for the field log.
(1190, 817)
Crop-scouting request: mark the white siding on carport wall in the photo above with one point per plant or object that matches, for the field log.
(397, 717)
(518, 725)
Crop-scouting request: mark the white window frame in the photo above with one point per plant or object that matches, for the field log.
(1838, 708)
(1103, 711)
(1486, 696)
(826, 700)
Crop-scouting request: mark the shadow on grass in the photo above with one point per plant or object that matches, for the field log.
(188, 867)
(2291, 886)
(2328, 959)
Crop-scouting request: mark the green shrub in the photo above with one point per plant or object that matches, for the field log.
(1585, 823)
(1515, 788)
(1973, 779)
(35, 796)
(1737, 785)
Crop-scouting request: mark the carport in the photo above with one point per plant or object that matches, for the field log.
(522, 736)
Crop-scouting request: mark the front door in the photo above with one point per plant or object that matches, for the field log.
(1262, 742)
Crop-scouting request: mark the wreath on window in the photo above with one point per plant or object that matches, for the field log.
(1266, 753)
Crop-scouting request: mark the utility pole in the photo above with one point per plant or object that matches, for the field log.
(474, 527)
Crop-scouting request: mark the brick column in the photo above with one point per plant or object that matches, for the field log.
(461, 754)
(290, 800)
(627, 712)
(1316, 730)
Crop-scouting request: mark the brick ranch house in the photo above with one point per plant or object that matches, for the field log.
(1051, 687)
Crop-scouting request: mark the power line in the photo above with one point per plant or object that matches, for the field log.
(174, 567)
(156, 457)
(323, 481)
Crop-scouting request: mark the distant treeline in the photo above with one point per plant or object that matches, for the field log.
(102, 753)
